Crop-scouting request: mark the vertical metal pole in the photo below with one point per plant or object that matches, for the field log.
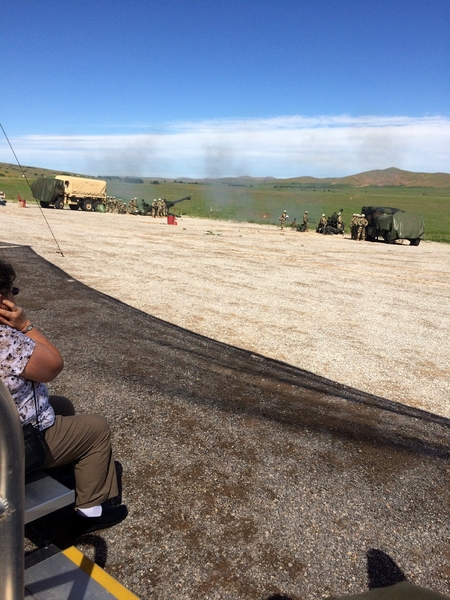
(12, 499)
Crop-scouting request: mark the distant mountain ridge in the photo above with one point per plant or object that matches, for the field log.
(394, 177)
(379, 177)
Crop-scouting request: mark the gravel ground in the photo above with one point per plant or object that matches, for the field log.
(279, 400)
(372, 316)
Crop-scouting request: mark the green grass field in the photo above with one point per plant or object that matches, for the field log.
(264, 202)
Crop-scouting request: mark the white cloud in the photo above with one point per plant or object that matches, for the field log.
(280, 146)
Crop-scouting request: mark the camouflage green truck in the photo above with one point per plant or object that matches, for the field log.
(393, 224)
(75, 192)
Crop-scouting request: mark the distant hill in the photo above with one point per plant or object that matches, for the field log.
(380, 177)
(11, 170)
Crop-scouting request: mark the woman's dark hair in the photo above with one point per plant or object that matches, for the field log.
(7, 276)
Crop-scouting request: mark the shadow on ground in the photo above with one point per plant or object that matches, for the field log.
(245, 477)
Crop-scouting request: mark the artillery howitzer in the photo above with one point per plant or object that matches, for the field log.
(334, 225)
(147, 209)
(170, 204)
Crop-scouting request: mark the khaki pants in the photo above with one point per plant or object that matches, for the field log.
(84, 440)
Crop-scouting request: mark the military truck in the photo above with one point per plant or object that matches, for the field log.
(393, 224)
(75, 192)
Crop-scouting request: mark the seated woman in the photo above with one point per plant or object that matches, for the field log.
(28, 360)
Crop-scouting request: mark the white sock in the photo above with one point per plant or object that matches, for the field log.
(92, 511)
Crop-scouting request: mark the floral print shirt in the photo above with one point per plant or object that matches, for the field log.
(15, 351)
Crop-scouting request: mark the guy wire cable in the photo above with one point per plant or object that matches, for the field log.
(59, 251)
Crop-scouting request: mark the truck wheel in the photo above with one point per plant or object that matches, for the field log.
(87, 205)
(59, 203)
(73, 206)
(96, 204)
(415, 242)
(44, 204)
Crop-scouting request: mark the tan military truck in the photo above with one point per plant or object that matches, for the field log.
(75, 192)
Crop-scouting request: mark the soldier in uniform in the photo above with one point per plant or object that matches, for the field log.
(322, 224)
(354, 226)
(132, 207)
(122, 208)
(109, 203)
(305, 220)
(154, 207)
(362, 224)
(282, 218)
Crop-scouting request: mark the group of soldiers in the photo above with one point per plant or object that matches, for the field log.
(302, 227)
(358, 224)
(114, 205)
(330, 225)
(333, 225)
(158, 208)
(132, 207)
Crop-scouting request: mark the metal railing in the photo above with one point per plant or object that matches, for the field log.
(12, 494)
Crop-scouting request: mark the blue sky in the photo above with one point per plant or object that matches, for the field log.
(226, 88)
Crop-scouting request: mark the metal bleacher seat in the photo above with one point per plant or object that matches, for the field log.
(44, 495)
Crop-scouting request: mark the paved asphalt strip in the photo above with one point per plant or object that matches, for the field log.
(245, 477)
